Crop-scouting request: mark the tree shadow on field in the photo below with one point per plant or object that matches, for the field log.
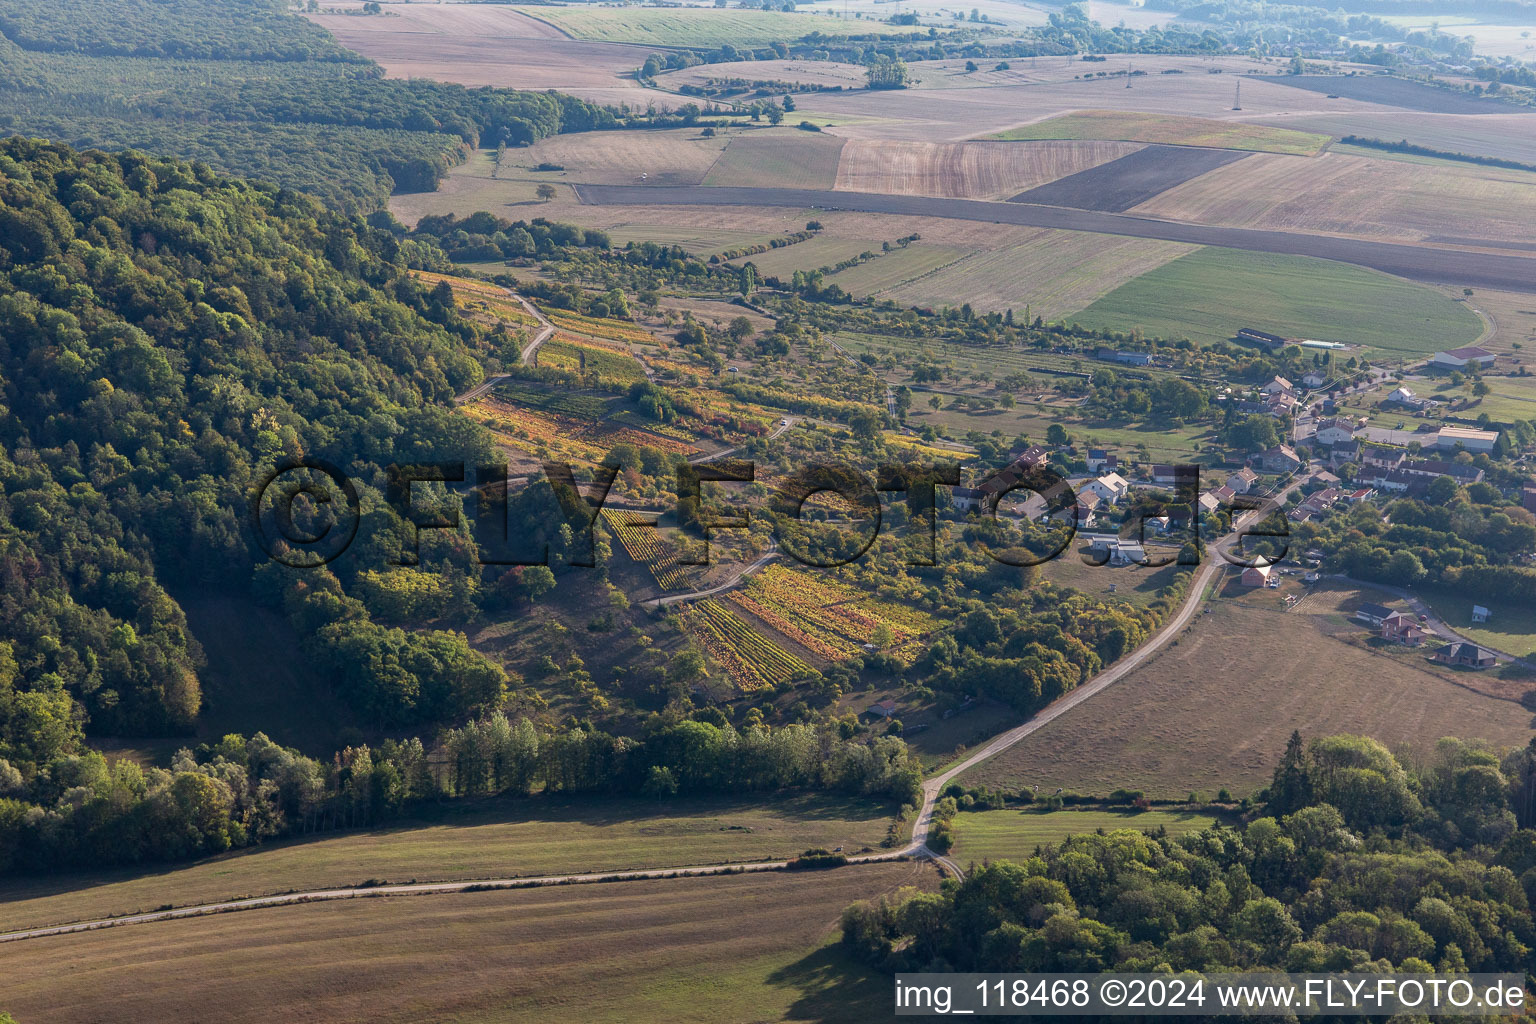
(834, 988)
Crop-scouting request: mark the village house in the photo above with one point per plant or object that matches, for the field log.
(1528, 497)
(1405, 396)
(1242, 481)
(1465, 655)
(1403, 629)
(1335, 430)
(1117, 552)
(1109, 488)
(1314, 379)
(1480, 613)
(1101, 461)
(967, 499)
(1343, 454)
(1256, 575)
(1277, 386)
(1280, 459)
(882, 709)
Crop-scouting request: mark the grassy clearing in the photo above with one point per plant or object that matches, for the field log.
(1512, 629)
(1013, 834)
(698, 27)
(674, 950)
(1134, 585)
(1126, 126)
(697, 241)
(896, 268)
(1215, 708)
(1211, 293)
(497, 838)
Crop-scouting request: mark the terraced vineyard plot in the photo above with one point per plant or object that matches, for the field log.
(1168, 130)
(570, 353)
(605, 327)
(641, 543)
(569, 403)
(829, 619)
(1132, 179)
(778, 158)
(966, 170)
(751, 660)
(1209, 294)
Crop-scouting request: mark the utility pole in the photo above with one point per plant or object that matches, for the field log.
(1237, 96)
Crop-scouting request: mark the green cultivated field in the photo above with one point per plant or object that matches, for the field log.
(698, 26)
(811, 254)
(495, 839)
(1211, 293)
(1014, 834)
(1167, 130)
(896, 268)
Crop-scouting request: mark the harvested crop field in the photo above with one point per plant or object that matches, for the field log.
(675, 950)
(1055, 273)
(1504, 270)
(1397, 92)
(967, 170)
(1130, 180)
(778, 157)
(678, 157)
(1207, 295)
(1508, 136)
(1167, 130)
(1357, 195)
(471, 44)
(1215, 710)
(501, 838)
(696, 26)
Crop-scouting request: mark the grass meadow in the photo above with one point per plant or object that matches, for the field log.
(697, 26)
(1013, 834)
(1168, 130)
(726, 948)
(1211, 293)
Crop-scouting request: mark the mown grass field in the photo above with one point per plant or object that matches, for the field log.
(730, 948)
(1512, 628)
(1013, 834)
(896, 268)
(811, 254)
(1169, 130)
(778, 158)
(1214, 708)
(693, 26)
(1055, 273)
(1210, 294)
(498, 838)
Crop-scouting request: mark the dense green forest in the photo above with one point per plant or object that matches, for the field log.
(251, 89)
(1360, 861)
(165, 333)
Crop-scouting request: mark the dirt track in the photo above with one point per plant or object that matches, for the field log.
(1420, 263)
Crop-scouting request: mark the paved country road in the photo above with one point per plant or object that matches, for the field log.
(1418, 262)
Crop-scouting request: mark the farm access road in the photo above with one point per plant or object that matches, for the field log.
(1506, 271)
(917, 848)
(546, 331)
